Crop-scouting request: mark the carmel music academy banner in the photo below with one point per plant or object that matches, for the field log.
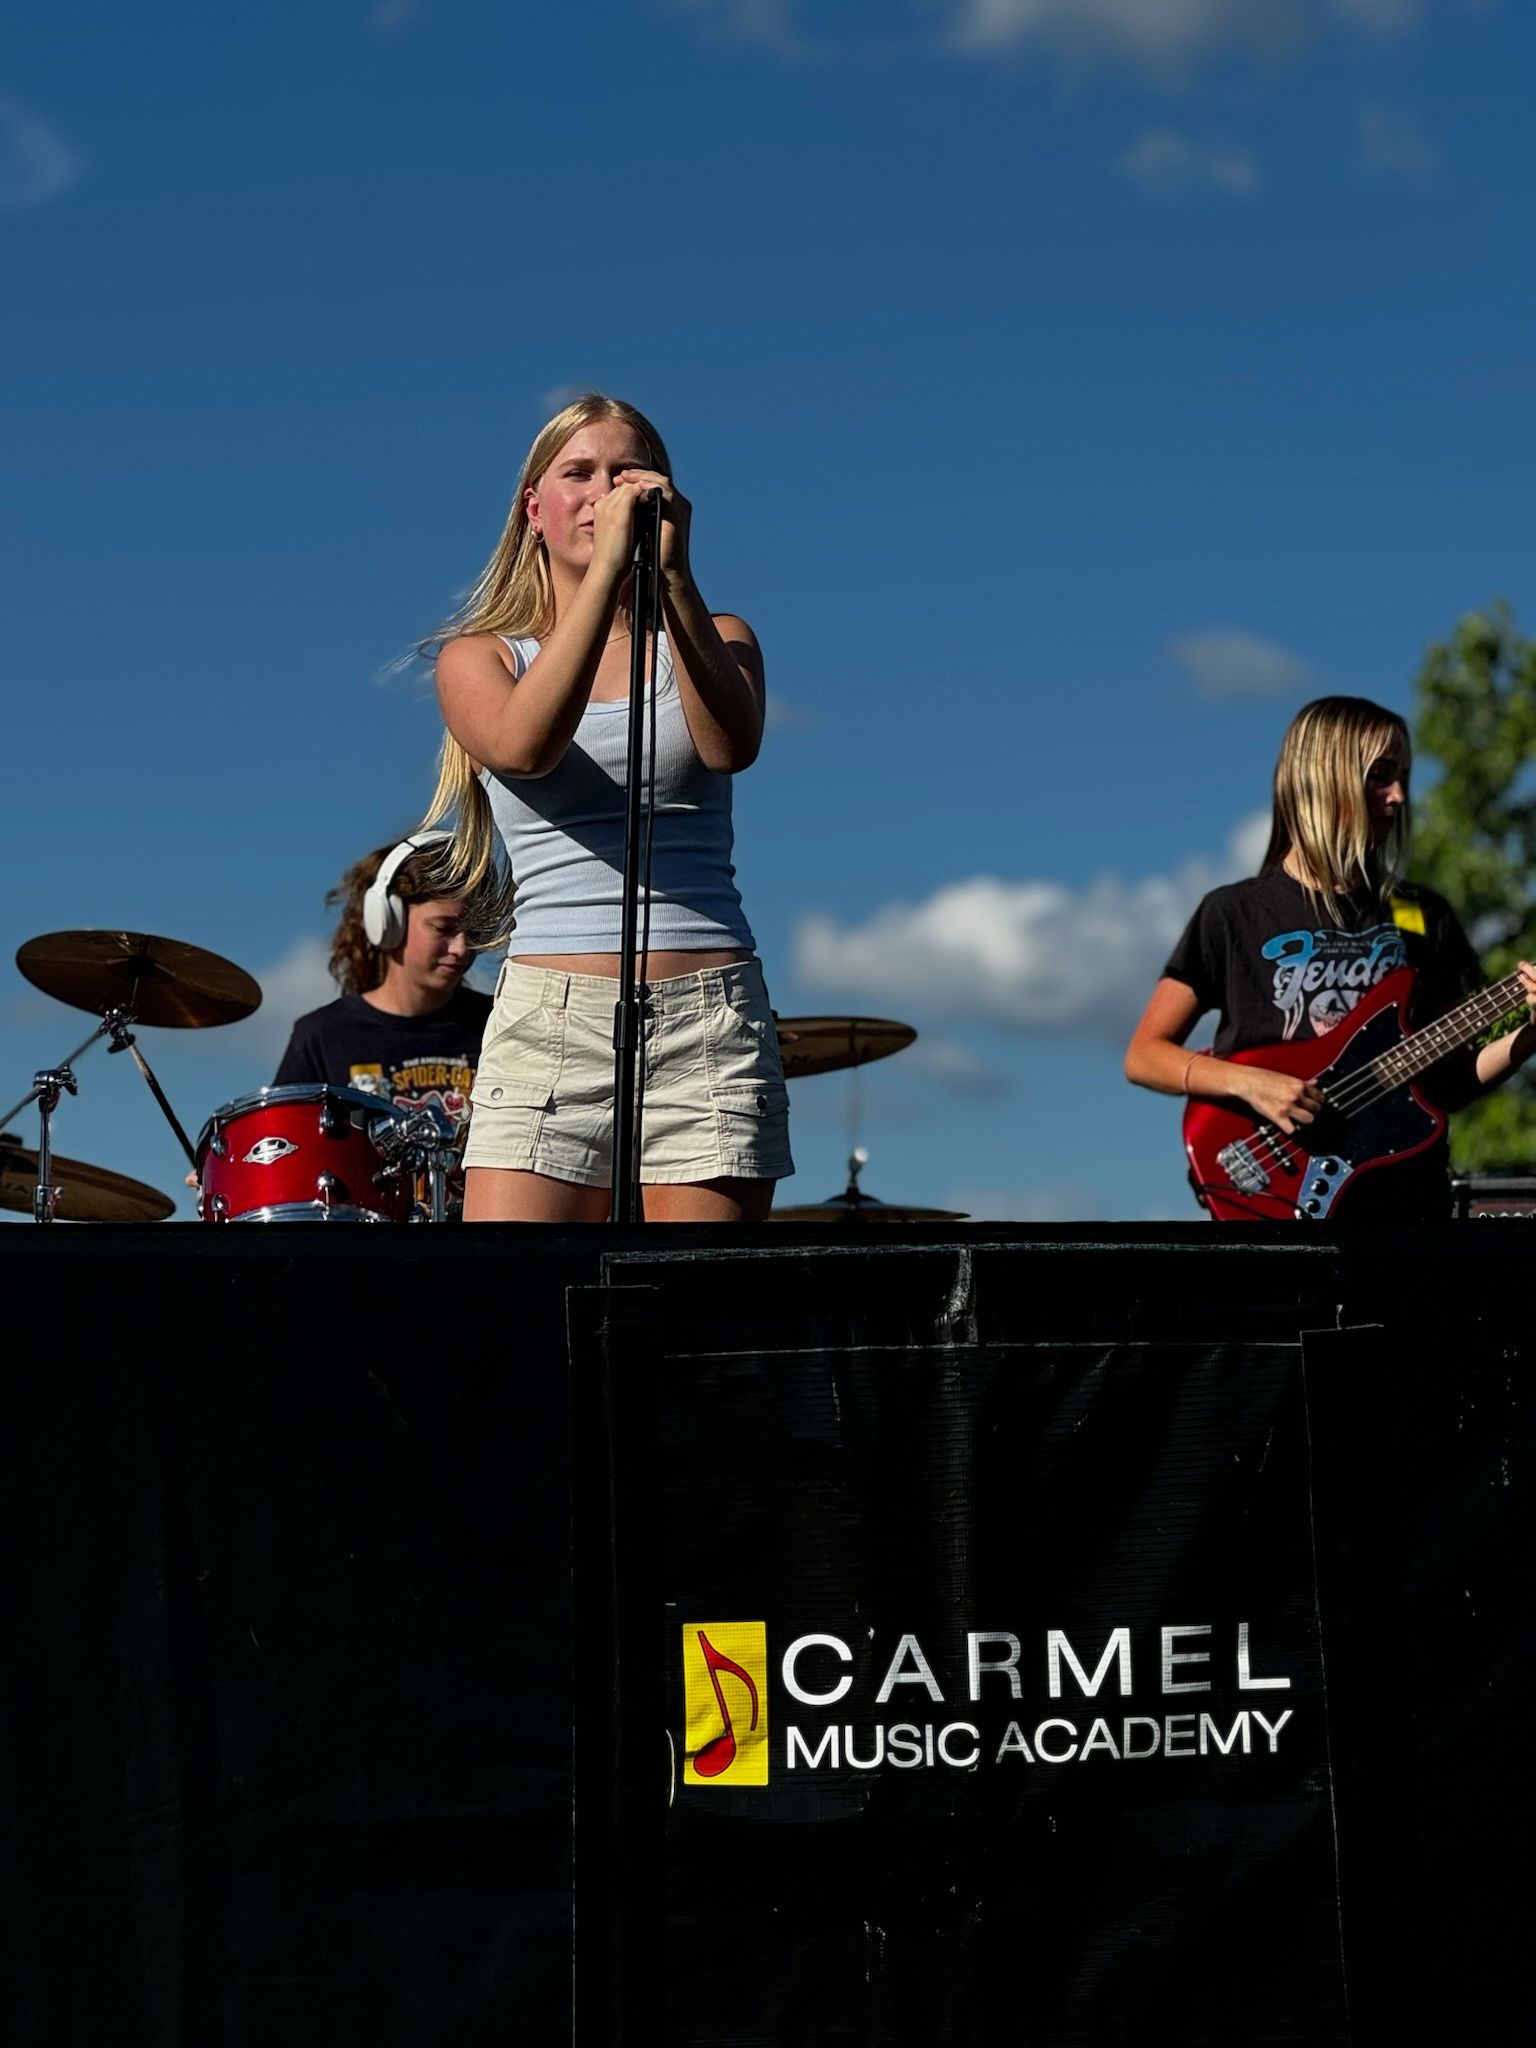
(973, 1679)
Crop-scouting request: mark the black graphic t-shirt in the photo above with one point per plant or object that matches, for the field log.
(414, 1062)
(1261, 954)
(1258, 953)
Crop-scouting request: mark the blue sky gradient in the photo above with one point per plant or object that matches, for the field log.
(1065, 392)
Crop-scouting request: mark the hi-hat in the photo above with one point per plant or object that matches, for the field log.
(854, 1206)
(88, 1194)
(158, 981)
(858, 1208)
(820, 1045)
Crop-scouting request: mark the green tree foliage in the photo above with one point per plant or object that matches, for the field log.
(1474, 838)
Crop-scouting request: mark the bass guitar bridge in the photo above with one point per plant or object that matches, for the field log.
(1242, 1168)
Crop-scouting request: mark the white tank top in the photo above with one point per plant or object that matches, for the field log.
(564, 835)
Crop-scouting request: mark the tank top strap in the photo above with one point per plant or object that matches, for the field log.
(525, 647)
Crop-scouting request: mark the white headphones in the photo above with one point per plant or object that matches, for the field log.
(383, 912)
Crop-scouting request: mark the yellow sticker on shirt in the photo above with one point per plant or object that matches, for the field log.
(1408, 914)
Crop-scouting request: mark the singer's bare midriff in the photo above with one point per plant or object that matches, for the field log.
(658, 967)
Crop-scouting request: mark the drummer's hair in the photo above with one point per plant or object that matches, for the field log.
(356, 963)
(513, 594)
(1320, 808)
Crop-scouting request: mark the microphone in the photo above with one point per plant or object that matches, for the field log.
(647, 511)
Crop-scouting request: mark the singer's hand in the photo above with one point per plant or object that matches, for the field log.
(676, 513)
(613, 525)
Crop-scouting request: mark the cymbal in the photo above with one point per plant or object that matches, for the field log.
(853, 1207)
(819, 1045)
(160, 981)
(89, 1194)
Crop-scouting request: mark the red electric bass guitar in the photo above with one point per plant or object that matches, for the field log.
(1244, 1170)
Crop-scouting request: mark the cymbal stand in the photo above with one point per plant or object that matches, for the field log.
(123, 1040)
(63, 1067)
(46, 1090)
(48, 1084)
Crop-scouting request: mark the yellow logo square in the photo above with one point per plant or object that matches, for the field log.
(725, 1699)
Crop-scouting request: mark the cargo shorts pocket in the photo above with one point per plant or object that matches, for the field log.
(519, 1062)
(752, 1127)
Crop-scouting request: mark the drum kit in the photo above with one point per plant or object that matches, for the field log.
(312, 1152)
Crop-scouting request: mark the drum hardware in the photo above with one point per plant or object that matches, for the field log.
(46, 1090)
(853, 1205)
(419, 1147)
(130, 978)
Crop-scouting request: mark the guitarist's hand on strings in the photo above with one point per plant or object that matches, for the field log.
(1280, 1099)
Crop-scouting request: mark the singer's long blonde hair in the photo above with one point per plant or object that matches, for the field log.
(513, 594)
(1320, 809)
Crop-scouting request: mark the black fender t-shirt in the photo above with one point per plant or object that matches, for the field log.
(1276, 968)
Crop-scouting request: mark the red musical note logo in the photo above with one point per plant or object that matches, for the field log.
(719, 1753)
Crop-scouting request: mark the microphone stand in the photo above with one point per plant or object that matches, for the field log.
(629, 1010)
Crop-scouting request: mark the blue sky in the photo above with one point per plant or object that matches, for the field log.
(1066, 389)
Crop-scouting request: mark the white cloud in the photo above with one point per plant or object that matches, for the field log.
(392, 17)
(299, 981)
(1225, 662)
(1249, 843)
(1025, 955)
(1166, 163)
(768, 22)
(1155, 31)
(1164, 37)
(1394, 142)
(559, 396)
(955, 1067)
(1166, 33)
(37, 163)
(786, 716)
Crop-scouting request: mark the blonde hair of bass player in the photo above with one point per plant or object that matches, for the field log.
(1322, 809)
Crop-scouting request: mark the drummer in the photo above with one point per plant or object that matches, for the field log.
(404, 1027)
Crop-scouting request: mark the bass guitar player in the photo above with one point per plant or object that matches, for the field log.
(1351, 1014)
